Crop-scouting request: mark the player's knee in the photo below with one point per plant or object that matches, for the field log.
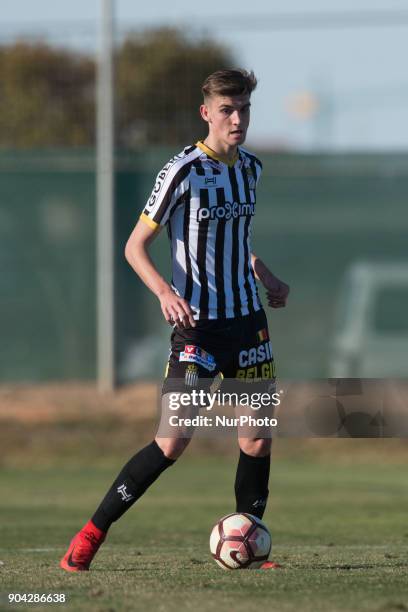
(173, 447)
(259, 447)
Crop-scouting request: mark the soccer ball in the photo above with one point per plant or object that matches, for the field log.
(240, 541)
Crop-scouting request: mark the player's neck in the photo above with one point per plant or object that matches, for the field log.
(227, 152)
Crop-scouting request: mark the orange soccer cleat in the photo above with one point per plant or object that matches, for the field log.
(270, 565)
(82, 549)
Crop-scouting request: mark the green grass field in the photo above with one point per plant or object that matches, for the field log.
(340, 531)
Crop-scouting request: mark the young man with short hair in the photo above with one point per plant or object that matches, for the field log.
(205, 196)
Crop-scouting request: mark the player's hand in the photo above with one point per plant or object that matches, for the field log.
(176, 310)
(276, 291)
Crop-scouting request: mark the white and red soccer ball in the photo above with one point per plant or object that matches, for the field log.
(240, 541)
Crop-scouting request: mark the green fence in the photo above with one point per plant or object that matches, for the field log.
(316, 215)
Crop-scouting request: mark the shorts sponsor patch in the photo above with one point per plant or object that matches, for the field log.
(195, 354)
(262, 371)
(256, 354)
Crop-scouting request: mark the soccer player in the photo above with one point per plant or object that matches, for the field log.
(206, 198)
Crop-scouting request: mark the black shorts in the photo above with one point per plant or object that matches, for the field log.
(238, 348)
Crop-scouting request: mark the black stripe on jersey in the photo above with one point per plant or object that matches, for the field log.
(199, 167)
(219, 257)
(201, 256)
(175, 182)
(189, 149)
(235, 246)
(188, 291)
(179, 201)
(168, 226)
(247, 267)
(248, 271)
(212, 164)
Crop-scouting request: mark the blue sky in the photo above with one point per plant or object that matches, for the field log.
(355, 76)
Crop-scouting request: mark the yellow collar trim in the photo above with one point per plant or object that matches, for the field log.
(214, 155)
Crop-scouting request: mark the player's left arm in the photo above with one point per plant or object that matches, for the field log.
(276, 290)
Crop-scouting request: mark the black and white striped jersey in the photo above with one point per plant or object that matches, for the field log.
(207, 206)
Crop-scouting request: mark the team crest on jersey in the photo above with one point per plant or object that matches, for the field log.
(251, 178)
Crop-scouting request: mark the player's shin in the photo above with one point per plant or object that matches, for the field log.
(136, 476)
(251, 484)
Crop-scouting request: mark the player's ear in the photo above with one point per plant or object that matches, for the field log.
(204, 113)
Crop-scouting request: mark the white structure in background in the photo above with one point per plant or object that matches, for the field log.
(371, 337)
(105, 299)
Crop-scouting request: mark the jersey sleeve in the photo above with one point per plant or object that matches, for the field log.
(170, 189)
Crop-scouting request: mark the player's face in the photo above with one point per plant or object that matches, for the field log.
(227, 117)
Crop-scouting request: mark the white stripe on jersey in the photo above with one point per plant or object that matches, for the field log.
(210, 260)
(195, 269)
(241, 238)
(179, 256)
(227, 267)
(252, 282)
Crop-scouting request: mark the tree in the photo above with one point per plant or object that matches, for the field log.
(159, 78)
(47, 95)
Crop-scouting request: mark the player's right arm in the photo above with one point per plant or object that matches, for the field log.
(175, 309)
(169, 191)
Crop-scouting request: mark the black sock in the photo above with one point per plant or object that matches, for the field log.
(251, 484)
(136, 476)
